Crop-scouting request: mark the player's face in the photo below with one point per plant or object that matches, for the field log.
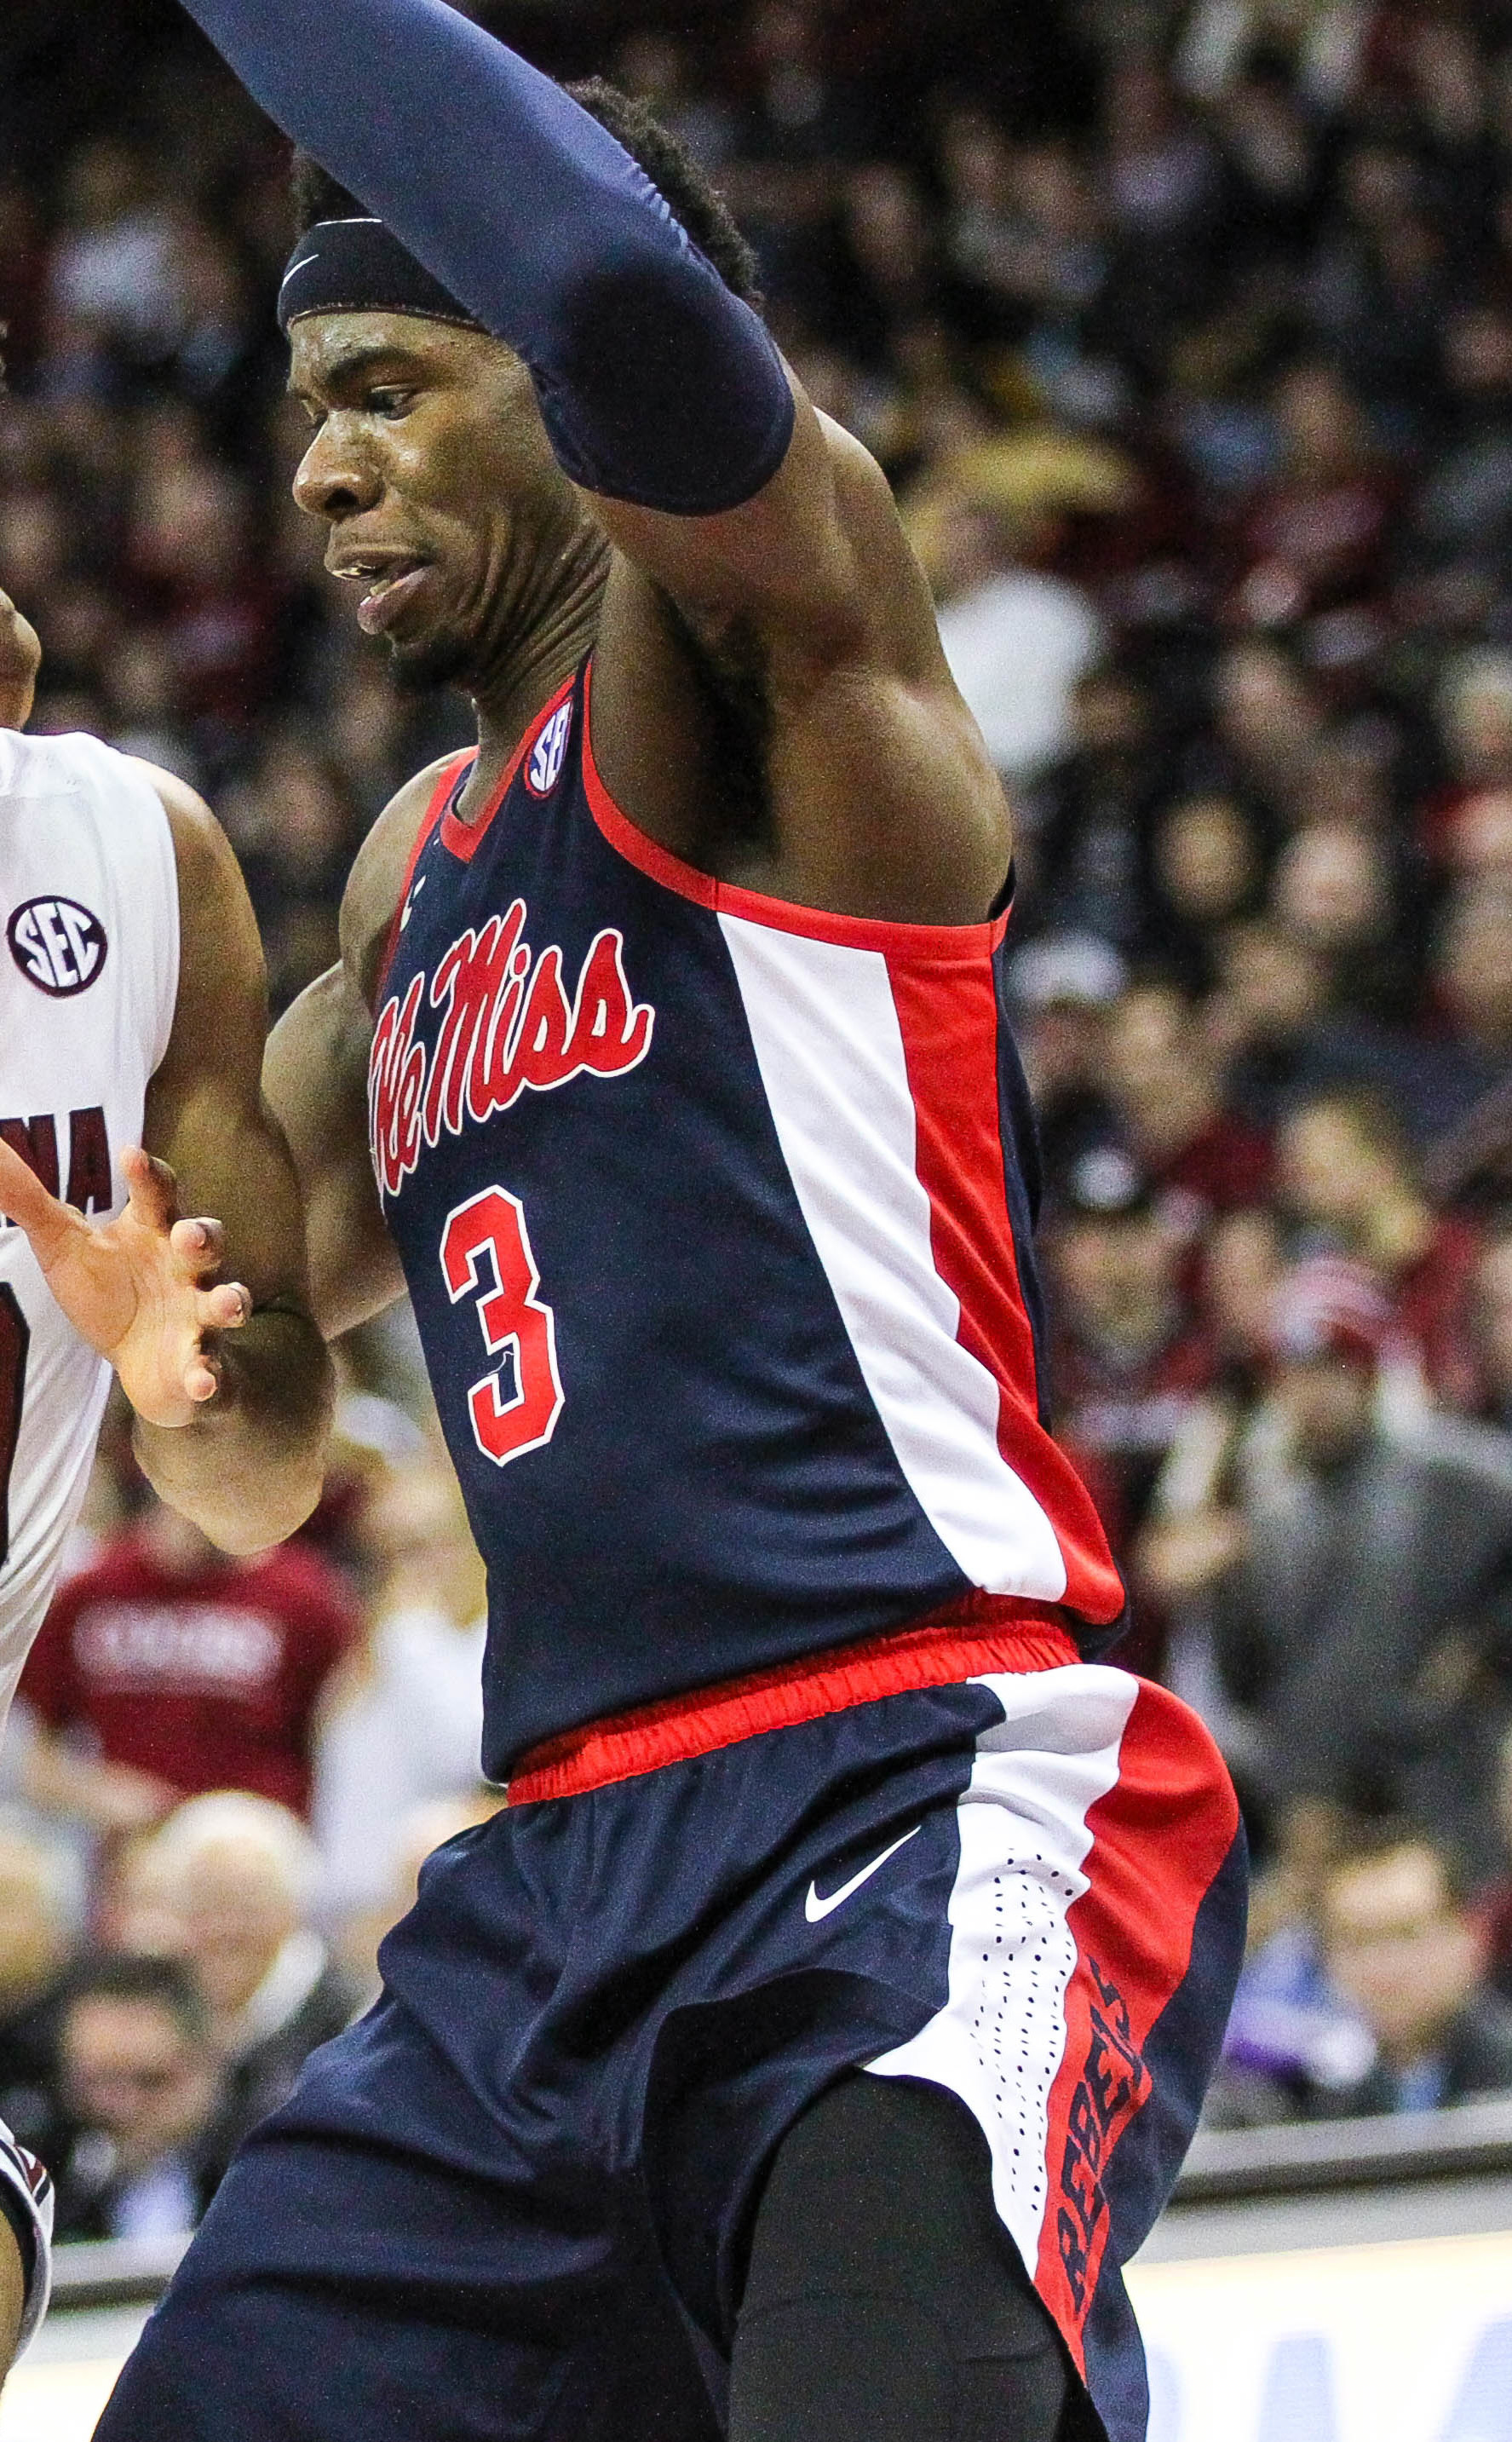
(430, 466)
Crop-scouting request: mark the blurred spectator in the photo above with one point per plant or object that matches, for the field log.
(1373, 1995)
(1475, 720)
(1348, 1180)
(39, 1912)
(296, 829)
(1203, 1158)
(1362, 1614)
(1129, 1355)
(1064, 987)
(1490, 1318)
(417, 1836)
(1311, 539)
(1335, 892)
(231, 1880)
(166, 1668)
(1292, 2039)
(1208, 867)
(1494, 1904)
(113, 268)
(1088, 818)
(1473, 977)
(1017, 639)
(135, 2153)
(1402, 1945)
(1460, 526)
(404, 1723)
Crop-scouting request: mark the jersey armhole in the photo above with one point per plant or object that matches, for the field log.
(441, 797)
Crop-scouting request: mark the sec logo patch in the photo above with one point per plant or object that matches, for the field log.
(58, 945)
(544, 767)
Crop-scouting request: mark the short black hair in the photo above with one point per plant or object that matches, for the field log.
(690, 194)
(680, 182)
(1367, 1840)
(136, 1975)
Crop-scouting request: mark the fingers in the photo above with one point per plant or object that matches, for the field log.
(224, 1307)
(153, 1188)
(200, 1246)
(202, 1378)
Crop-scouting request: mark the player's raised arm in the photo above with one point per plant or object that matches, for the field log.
(662, 393)
(656, 383)
(661, 390)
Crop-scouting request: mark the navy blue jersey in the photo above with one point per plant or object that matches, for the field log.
(714, 1214)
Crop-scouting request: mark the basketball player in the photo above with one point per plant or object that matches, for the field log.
(807, 2045)
(131, 1015)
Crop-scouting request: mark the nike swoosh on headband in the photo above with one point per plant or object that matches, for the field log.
(816, 1909)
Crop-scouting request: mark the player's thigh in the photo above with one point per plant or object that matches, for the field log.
(338, 2294)
(884, 2301)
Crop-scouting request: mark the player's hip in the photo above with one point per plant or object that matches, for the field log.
(1065, 1812)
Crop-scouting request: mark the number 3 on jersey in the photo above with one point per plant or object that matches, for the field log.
(514, 1408)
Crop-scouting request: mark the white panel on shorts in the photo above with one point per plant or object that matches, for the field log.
(830, 1052)
(998, 2041)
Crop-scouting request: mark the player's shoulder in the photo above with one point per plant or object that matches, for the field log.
(203, 852)
(370, 899)
(68, 764)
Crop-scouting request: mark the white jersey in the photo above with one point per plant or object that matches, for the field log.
(89, 983)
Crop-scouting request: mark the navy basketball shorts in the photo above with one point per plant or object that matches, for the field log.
(515, 2200)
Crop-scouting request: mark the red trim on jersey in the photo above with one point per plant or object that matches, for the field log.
(901, 941)
(936, 1652)
(1159, 1838)
(949, 1028)
(464, 839)
(440, 798)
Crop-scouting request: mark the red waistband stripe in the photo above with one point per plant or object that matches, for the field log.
(934, 1653)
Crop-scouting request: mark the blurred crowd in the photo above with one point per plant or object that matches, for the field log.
(1185, 333)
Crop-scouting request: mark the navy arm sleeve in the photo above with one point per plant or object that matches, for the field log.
(657, 385)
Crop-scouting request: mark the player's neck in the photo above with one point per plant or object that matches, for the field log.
(531, 664)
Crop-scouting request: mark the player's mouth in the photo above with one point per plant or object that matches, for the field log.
(391, 584)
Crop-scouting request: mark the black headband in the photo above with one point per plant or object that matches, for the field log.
(359, 266)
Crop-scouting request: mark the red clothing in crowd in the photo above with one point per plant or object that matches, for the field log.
(1227, 1167)
(1433, 1299)
(207, 1678)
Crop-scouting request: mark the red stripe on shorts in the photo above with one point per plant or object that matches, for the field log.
(1159, 1839)
(980, 1634)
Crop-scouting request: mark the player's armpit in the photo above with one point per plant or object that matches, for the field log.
(882, 796)
(316, 1079)
(247, 1468)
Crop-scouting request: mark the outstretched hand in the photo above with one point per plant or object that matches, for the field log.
(141, 1289)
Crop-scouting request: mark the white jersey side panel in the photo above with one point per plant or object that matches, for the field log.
(89, 983)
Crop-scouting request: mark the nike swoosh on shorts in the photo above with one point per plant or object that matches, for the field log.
(816, 1909)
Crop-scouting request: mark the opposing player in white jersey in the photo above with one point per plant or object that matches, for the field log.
(132, 1018)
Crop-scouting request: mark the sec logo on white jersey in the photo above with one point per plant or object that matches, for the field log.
(59, 945)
